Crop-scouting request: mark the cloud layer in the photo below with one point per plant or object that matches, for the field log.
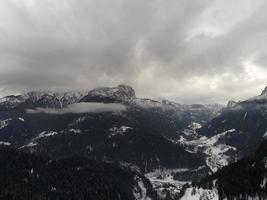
(185, 50)
(80, 108)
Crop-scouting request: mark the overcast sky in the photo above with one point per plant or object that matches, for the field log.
(184, 50)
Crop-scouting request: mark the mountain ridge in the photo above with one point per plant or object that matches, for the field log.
(168, 142)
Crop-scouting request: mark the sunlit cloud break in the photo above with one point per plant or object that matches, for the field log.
(79, 108)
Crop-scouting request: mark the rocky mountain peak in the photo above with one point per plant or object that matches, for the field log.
(127, 91)
(231, 104)
(264, 92)
(120, 92)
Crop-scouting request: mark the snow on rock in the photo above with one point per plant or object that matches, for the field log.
(163, 181)
(70, 97)
(31, 144)
(46, 134)
(192, 129)
(199, 193)
(231, 104)
(215, 138)
(257, 197)
(216, 152)
(4, 123)
(121, 92)
(217, 158)
(41, 135)
(245, 116)
(75, 131)
(195, 125)
(53, 99)
(263, 183)
(147, 103)
(5, 143)
(78, 121)
(140, 191)
(13, 100)
(21, 119)
(119, 131)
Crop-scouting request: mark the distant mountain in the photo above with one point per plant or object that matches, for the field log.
(169, 143)
(247, 119)
(49, 99)
(233, 137)
(46, 99)
(231, 104)
(142, 135)
(258, 102)
(121, 93)
(264, 92)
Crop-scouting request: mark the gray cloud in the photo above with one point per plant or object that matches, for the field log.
(79, 108)
(185, 50)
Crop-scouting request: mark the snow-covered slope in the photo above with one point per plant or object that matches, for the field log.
(214, 148)
(200, 193)
(42, 99)
(243, 180)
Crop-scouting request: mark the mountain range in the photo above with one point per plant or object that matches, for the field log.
(108, 143)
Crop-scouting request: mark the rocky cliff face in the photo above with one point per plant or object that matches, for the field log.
(121, 93)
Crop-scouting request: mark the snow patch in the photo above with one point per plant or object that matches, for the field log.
(119, 131)
(5, 143)
(4, 123)
(75, 131)
(140, 192)
(199, 193)
(31, 144)
(195, 125)
(192, 129)
(263, 183)
(245, 116)
(41, 135)
(147, 103)
(46, 134)
(21, 119)
(163, 179)
(216, 153)
(62, 98)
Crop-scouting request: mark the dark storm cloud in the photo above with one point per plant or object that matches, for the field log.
(185, 50)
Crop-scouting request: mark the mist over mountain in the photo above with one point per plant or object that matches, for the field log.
(162, 147)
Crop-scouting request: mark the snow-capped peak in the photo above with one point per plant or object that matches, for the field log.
(48, 98)
(60, 99)
(121, 92)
